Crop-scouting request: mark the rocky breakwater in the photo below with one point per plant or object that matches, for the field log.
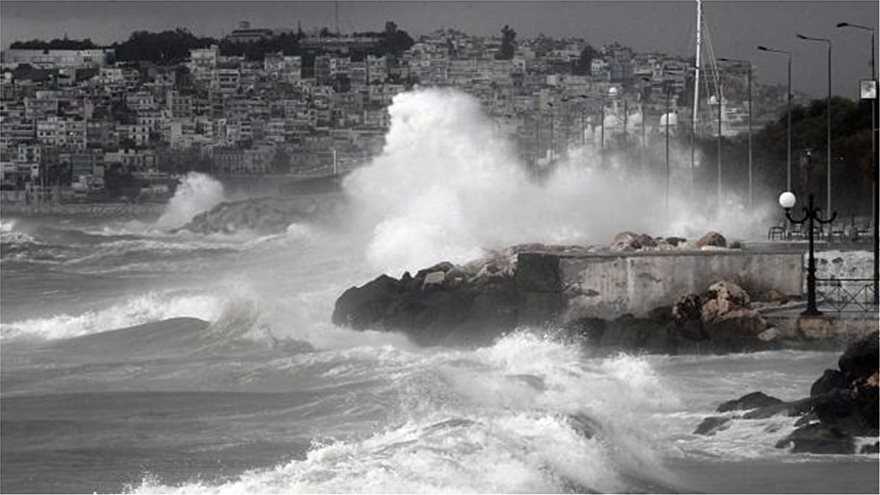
(263, 215)
(476, 302)
(841, 409)
(443, 304)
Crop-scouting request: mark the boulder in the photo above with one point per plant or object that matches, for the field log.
(630, 241)
(860, 358)
(753, 400)
(713, 239)
(737, 330)
(830, 381)
(687, 316)
(675, 241)
(712, 425)
(818, 438)
(729, 292)
(362, 307)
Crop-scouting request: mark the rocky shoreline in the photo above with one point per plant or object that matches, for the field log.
(842, 406)
(474, 303)
(266, 215)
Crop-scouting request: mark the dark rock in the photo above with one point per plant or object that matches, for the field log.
(833, 406)
(753, 400)
(806, 419)
(737, 330)
(870, 449)
(362, 307)
(818, 438)
(712, 425)
(712, 239)
(630, 241)
(626, 241)
(687, 316)
(628, 333)
(829, 381)
(860, 358)
(263, 215)
(662, 314)
(537, 272)
(866, 400)
(730, 292)
(675, 241)
(735, 245)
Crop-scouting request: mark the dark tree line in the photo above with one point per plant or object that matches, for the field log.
(55, 44)
(172, 46)
(163, 47)
(851, 167)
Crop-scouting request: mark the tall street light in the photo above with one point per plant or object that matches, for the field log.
(749, 84)
(828, 122)
(668, 118)
(811, 216)
(874, 141)
(718, 99)
(787, 110)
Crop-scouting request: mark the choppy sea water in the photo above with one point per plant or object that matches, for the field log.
(158, 362)
(134, 359)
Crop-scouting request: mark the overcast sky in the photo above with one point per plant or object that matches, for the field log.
(735, 27)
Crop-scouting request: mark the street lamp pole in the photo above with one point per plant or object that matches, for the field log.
(602, 136)
(720, 109)
(828, 121)
(668, 115)
(811, 214)
(787, 110)
(875, 140)
(749, 85)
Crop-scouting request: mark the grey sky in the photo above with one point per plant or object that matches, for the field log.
(735, 27)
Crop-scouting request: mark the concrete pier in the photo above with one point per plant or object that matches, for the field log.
(559, 288)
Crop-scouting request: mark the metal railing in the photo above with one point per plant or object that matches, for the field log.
(848, 295)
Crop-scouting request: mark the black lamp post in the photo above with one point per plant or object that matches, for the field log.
(811, 214)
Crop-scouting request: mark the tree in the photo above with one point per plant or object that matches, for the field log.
(508, 44)
(584, 64)
(163, 47)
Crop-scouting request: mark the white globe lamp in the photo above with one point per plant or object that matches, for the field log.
(787, 200)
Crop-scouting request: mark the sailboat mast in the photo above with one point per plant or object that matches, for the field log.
(695, 113)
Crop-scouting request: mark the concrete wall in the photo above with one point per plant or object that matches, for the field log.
(561, 288)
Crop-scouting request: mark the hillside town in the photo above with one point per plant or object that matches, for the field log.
(85, 123)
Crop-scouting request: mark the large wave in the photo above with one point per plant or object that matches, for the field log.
(197, 193)
(528, 414)
(141, 309)
(446, 186)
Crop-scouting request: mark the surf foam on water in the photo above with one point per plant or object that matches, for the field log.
(196, 194)
(524, 415)
(142, 309)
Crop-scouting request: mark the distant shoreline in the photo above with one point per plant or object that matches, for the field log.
(99, 210)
